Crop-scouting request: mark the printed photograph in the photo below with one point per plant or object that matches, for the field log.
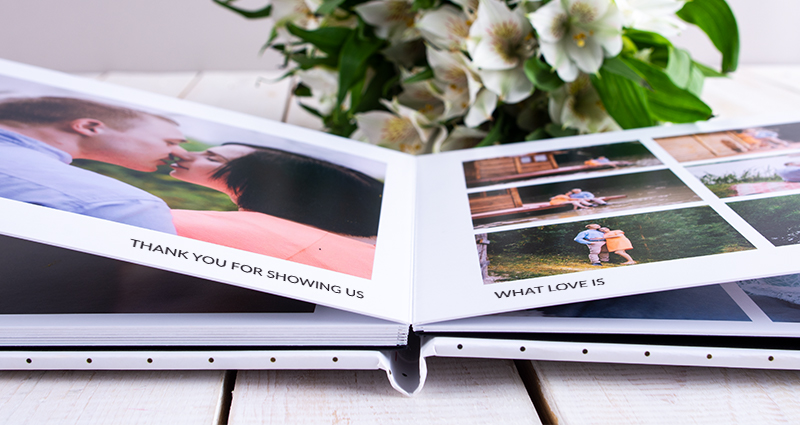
(45, 279)
(777, 219)
(750, 176)
(577, 198)
(695, 147)
(590, 159)
(778, 296)
(610, 242)
(185, 176)
(699, 303)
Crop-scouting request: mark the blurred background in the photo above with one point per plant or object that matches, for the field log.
(183, 35)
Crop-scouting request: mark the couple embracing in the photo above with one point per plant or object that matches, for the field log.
(602, 240)
(290, 206)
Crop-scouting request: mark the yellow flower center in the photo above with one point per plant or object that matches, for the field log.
(580, 39)
(396, 130)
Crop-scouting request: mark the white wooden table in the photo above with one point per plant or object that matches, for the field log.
(458, 391)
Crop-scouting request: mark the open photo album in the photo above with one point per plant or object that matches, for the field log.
(130, 219)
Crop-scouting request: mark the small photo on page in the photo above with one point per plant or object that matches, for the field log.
(750, 176)
(622, 241)
(601, 195)
(190, 177)
(778, 296)
(776, 218)
(695, 147)
(534, 165)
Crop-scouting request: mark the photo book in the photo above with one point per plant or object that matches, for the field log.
(144, 232)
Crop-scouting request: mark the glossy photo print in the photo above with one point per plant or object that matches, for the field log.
(574, 198)
(590, 159)
(696, 147)
(776, 218)
(622, 241)
(750, 176)
(182, 175)
(778, 296)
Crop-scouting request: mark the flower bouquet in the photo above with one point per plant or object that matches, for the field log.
(432, 75)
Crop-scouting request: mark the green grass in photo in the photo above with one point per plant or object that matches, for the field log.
(721, 185)
(658, 236)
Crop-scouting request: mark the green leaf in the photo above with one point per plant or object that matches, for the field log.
(302, 90)
(306, 62)
(542, 75)
(696, 80)
(644, 39)
(667, 101)
(538, 134)
(353, 60)
(328, 39)
(249, 14)
(716, 19)
(494, 134)
(617, 66)
(623, 99)
(679, 67)
(418, 5)
(328, 6)
(708, 71)
(556, 130)
(420, 76)
(385, 73)
(311, 110)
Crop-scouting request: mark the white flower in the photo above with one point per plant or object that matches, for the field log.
(457, 83)
(297, 12)
(446, 27)
(393, 19)
(324, 85)
(653, 15)
(575, 35)
(404, 129)
(499, 38)
(460, 138)
(577, 105)
(499, 42)
(422, 96)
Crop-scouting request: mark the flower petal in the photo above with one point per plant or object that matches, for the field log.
(445, 28)
(585, 51)
(550, 21)
(510, 85)
(482, 110)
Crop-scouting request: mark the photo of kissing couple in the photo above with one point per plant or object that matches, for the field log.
(284, 205)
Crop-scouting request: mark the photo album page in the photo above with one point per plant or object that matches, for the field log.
(151, 181)
(554, 222)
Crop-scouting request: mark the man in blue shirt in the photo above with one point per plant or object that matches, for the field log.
(39, 138)
(588, 196)
(594, 239)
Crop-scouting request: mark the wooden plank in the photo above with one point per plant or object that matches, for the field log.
(584, 393)
(255, 93)
(102, 397)
(458, 391)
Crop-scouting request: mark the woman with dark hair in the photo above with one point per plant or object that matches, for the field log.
(290, 206)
